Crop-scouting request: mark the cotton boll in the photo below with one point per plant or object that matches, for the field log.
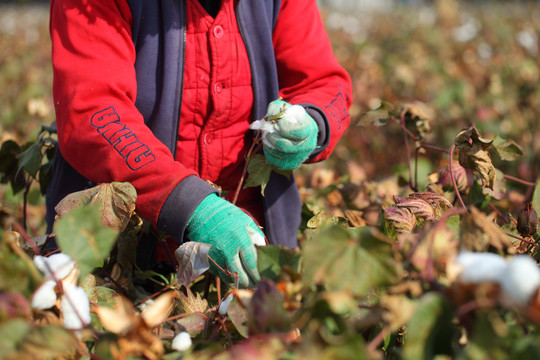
(256, 237)
(40, 262)
(521, 279)
(45, 296)
(59, 264)
(265, 126)
(481, 267)
(75, 307)
(224, 306)
(295, 113)
(181, 342)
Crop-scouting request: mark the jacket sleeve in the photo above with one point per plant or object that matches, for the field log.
(101, 133)
(309, 73)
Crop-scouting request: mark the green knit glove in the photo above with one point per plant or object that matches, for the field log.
(227, 228)
(294, 136)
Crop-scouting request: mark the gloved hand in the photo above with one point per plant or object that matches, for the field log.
(289, 141)
(227, 228)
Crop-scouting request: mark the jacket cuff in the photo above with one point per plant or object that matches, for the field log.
(323, 138)
(180, 205)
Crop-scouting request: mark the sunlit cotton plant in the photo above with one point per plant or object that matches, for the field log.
(59, 289)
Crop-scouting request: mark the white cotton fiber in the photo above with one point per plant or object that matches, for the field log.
(45, 296)
(256, 237)
(265, 126)
(59, 264)
(521, 279)
(181, 342)
(224, 306)
(295, 113)
(481, 267)
(75, 307)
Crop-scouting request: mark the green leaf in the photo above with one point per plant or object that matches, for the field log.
(12, 333)
(81, 235)
(357, 260)
(16, 274)
(272, 259)
(239, 317)
(507, 150)
(30, 159)
(430, 331)
(9, 166)
(115, 201)
(8, 156)
(20, 340)
(259, 172)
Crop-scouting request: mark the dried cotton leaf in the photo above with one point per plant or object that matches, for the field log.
(192, 303)
(478, 232)
(116, 202)
(119, 320)
(154, 314)
(473, 154)
(192, 260)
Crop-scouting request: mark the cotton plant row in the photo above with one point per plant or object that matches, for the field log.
(444, 235)
(60, 291)
(133, 326)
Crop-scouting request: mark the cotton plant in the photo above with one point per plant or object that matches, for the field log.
(517, 276)
(60, 289)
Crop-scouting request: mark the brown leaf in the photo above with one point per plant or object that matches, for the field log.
(478, 233)
(527, 221)
(399, 309)
(335, 198)
(192, 260)
(192, 303)
(402, 219)
(464, 177)
(355, 217)
(193, 324)
(119, 320)
(135, 336)
(158, 311)
(419, 206)
(417, 117)
(473, 154)
(439, 203)
(116, 202)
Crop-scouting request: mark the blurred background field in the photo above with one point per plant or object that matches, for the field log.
(469, 62)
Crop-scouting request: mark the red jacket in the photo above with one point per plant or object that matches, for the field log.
(95, 87)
